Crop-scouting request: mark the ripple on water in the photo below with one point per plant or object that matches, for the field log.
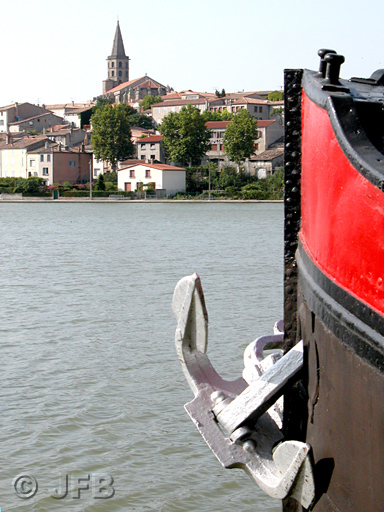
(91, 381)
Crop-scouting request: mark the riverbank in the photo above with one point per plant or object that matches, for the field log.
(127, 201)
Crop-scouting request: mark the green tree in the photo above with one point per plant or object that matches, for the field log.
(239, 137)
(217, 116)
(220, 94)
(149, 100)
(100, 185)
(275, 96)
(278, 114)
(185, 136)
(111, 133)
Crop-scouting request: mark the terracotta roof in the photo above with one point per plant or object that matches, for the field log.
(131, 83)
(217, 124)
(160, 167)
(149, 83)
(268, 154)
(25, 142)
(129, 162)
(262, 123)
(151, 138)
(253, 101)
(171, 96)
(172, 103)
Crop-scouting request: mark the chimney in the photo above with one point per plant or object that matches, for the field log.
(60, 147)
(82, 147)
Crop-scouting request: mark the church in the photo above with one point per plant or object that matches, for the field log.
(118, 87)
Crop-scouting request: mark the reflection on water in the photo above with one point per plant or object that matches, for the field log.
(90, 380)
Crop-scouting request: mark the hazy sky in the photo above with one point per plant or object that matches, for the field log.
(55, 51)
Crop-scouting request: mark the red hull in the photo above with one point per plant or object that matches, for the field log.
(342, 226)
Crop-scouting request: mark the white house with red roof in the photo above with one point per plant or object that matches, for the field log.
(160, 177)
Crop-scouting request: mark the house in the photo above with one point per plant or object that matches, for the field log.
(161, 110)
(74, 114)
(13, 155)
(17, 112)
(266, 162)
(269, 132)
(57, 165)
(150, 149)
(66, 135)
(259, 107)
(37, 123)
(167, 178)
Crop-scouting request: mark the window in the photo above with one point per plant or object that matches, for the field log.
(148, 173)
(260, 109)
(143, 157)
(72, 163)
(1, 122)
(120, 73)
(255, 109)
(113, 65)
(120, 64)
(152, 145)
(48, 158)
(142, 145)
(41, 158)
(113, 73)
(45, 171)
(153, 157)
(35, 173)
(132, 173)
(32, 163)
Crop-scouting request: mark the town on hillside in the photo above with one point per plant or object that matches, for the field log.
(60, 143)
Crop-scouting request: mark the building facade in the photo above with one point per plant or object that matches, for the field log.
(167, 178)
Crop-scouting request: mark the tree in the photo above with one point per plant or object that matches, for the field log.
(217, 116)
(185, 136)
(278, 114)
(149, 100)
(111, 133)
(239, 137)
(275, 96)
(100, 185)
(220, 94)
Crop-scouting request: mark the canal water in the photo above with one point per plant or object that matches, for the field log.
(90, 383)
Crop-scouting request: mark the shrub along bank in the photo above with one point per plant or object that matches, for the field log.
(228, 183)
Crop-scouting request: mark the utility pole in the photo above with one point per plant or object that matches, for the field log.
(90, 179)
(209, 179)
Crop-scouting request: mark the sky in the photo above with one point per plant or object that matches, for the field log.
(55, 52)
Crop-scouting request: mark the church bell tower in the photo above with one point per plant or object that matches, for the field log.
(118, 63)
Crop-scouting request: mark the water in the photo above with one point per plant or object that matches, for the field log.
(90, 382)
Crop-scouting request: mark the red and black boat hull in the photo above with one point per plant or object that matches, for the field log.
(334, 283)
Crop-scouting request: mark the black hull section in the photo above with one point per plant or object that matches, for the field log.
(343, 417)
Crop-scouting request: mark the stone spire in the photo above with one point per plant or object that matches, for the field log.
(118, 45)
(118, 63)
